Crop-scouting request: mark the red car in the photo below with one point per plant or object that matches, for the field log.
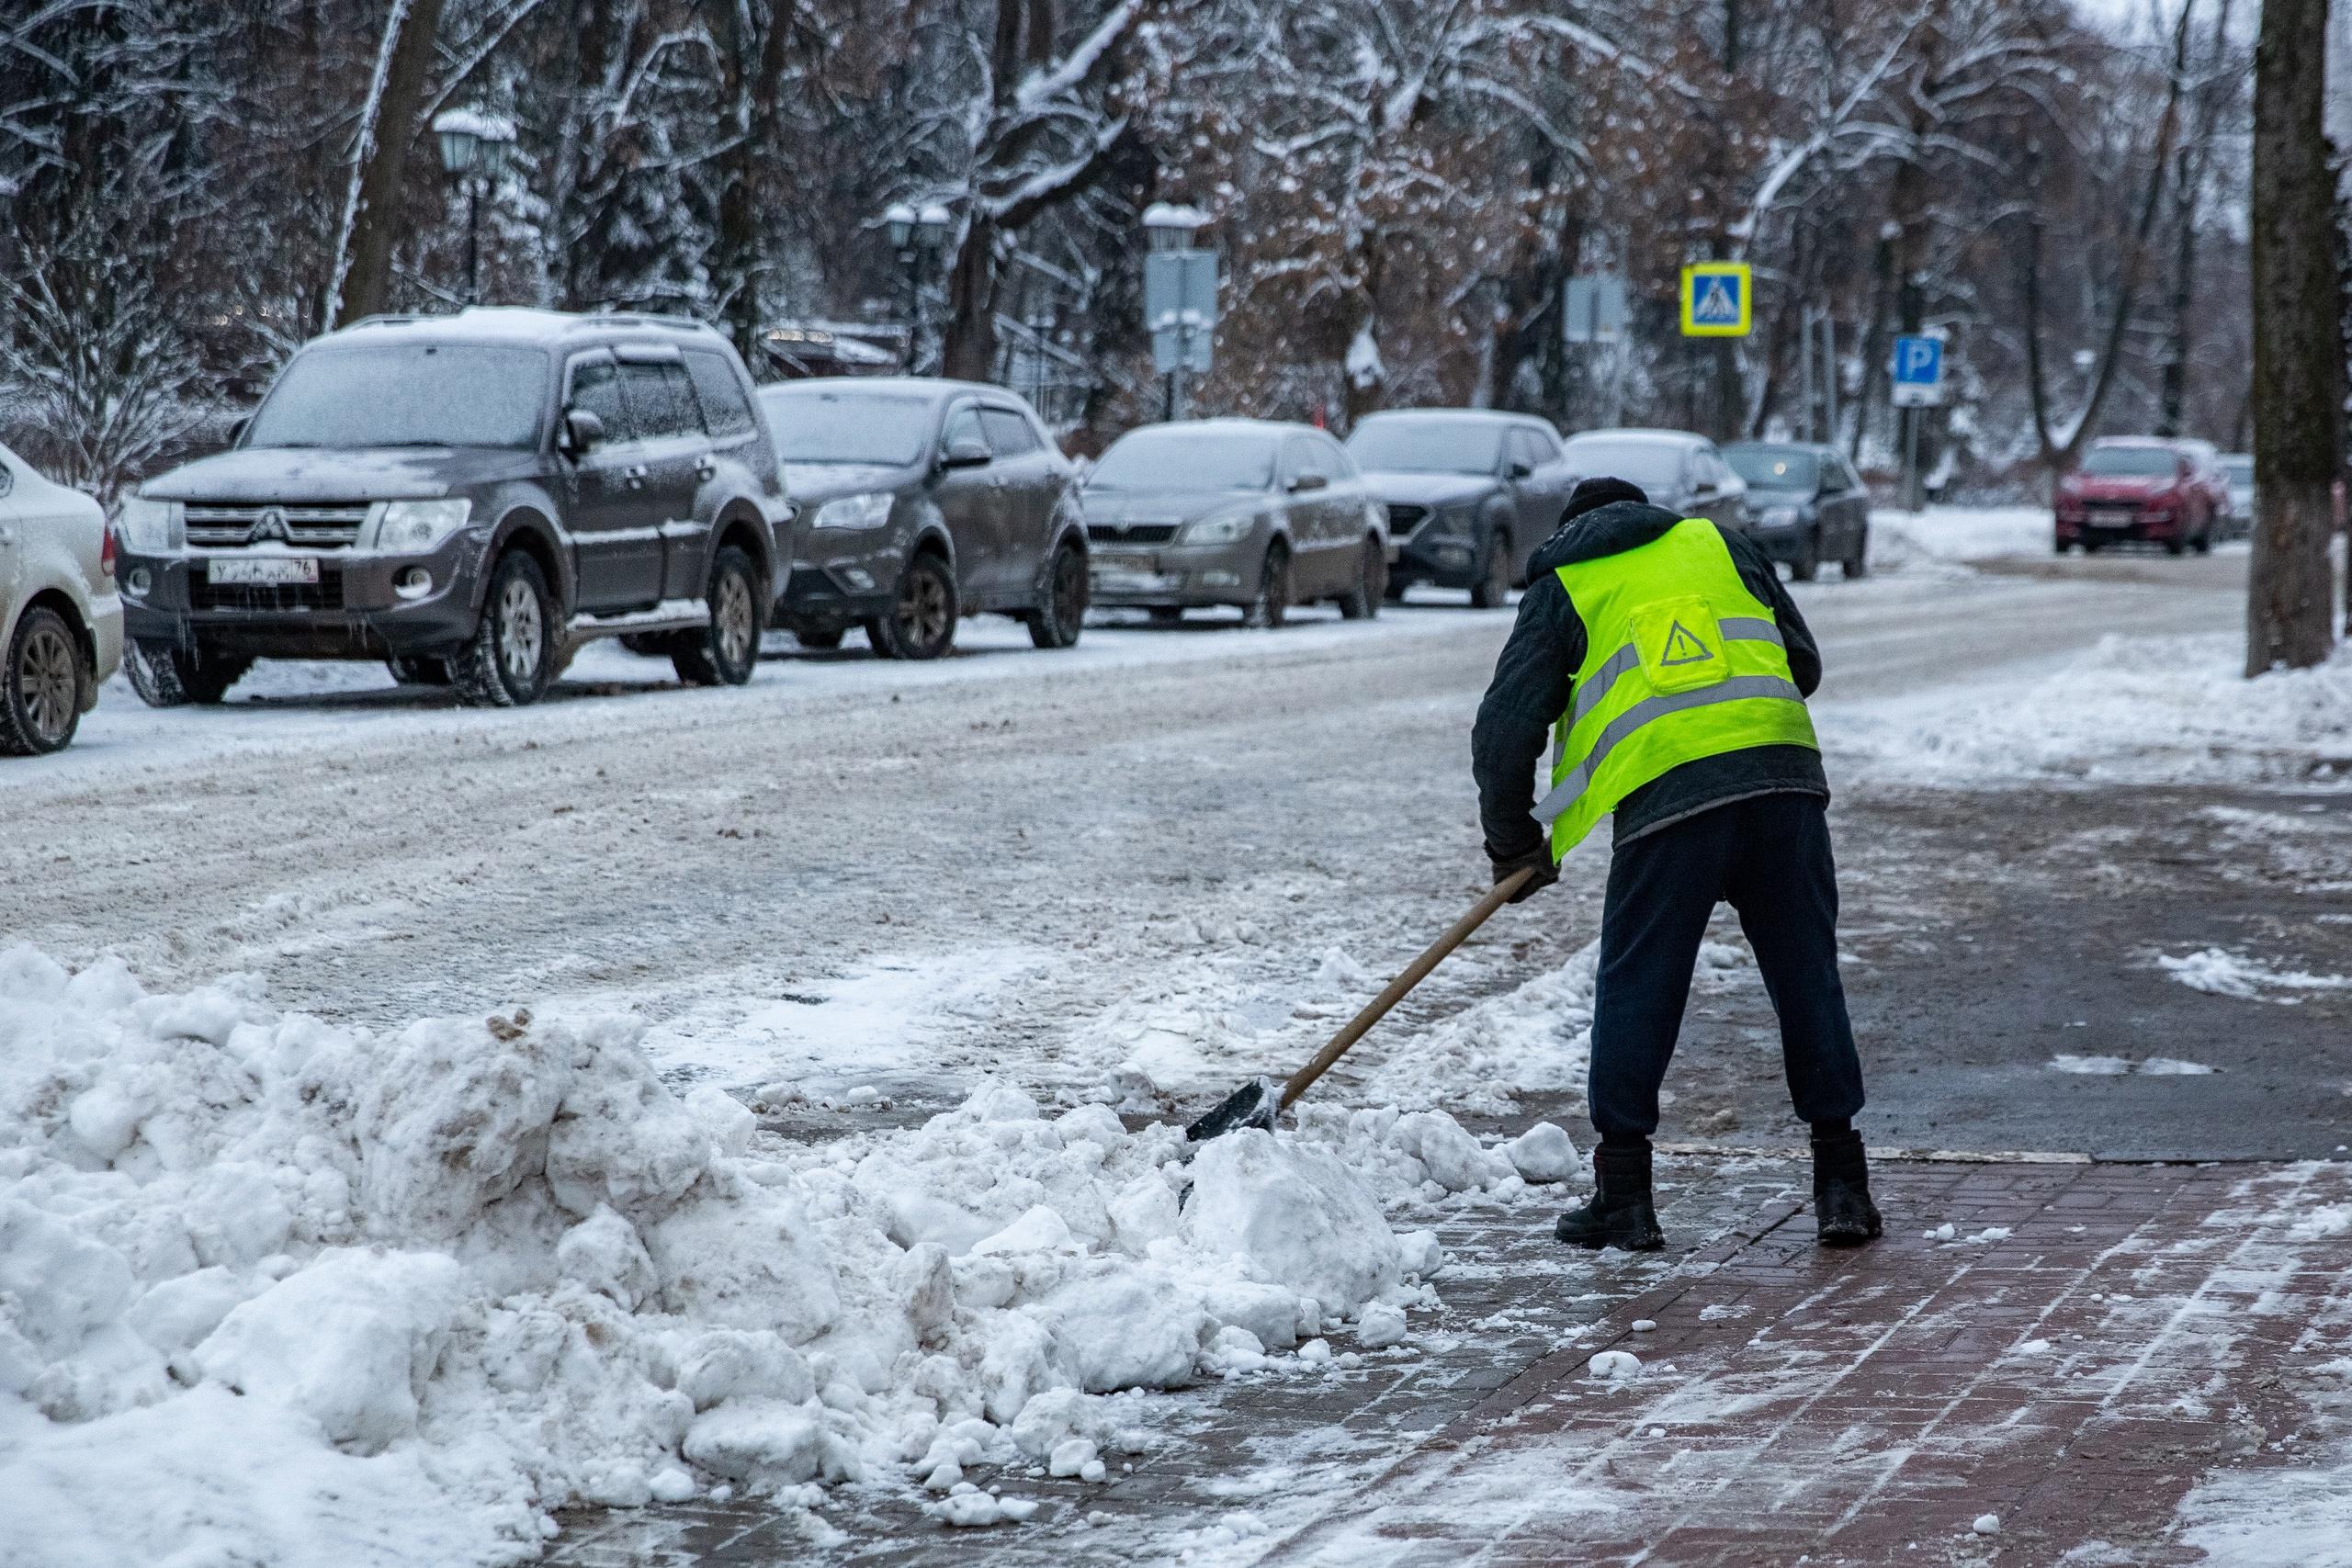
(2137, 488)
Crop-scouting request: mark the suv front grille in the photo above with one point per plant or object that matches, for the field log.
(1131, 533)
(333, 526)
(326, 593)
(1403, 520)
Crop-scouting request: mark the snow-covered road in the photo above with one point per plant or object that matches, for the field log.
(1180, 847)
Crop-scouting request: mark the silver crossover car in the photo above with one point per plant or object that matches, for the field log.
(61, 619)
(1244, 512)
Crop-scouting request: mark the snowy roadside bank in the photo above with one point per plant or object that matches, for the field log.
(324, 1295)
(2130, 710)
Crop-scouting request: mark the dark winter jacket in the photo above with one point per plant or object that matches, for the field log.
(1538, 665)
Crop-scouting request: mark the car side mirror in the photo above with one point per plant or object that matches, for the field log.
(581, 430)
(966, 452)
(1307, 483)
(1520, 470)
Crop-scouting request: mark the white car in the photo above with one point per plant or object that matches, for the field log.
(61, 619)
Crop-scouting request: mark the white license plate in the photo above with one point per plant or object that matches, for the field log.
(1111, 580)
(269, 571)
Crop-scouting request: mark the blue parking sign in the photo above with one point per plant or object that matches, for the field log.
(1918, 370)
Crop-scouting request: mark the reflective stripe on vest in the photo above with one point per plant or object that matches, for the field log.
(1682, 662)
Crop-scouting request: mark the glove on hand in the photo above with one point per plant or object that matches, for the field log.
(1538, 860)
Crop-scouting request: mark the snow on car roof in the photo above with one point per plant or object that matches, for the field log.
(520, 324)
(1671, 437)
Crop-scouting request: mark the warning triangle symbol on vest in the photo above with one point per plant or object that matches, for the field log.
(1683, 647)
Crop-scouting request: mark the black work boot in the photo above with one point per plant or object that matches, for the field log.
(1842, 1211)
(1619, 1213)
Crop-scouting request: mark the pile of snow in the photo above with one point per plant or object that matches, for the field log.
(315, 1294)
(2224, 974)
(1905, 540)
(2131, 709)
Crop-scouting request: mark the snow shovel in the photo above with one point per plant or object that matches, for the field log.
(1259, 1101)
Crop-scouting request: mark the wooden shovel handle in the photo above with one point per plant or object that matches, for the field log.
(1415, 972)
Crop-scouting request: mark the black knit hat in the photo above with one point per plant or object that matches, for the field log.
(1592, 495)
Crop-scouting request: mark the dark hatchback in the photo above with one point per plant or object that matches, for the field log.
(1469, 493)
(1805, 505)
(923, 500)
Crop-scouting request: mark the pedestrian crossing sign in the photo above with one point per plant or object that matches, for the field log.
(1716, 300)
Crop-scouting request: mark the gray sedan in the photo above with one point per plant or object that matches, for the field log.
(1242, 512)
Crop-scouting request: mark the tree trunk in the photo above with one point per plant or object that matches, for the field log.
(2298, 369)
(372, 217)
(757, 110)
(969, 352)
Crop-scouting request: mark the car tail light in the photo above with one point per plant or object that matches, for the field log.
(106, 551)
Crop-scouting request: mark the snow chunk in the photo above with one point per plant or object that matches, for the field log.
(349, 1341)
(1543, 1153)
(1298, 1216)
(1614, 1365)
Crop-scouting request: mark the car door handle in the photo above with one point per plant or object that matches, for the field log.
(707, 466)
(635, 473)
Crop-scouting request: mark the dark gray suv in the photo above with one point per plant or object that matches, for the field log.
(924, 501)
(469, 498)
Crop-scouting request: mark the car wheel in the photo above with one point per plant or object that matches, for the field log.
(921, 624)
(1272, 607)
(40, 689)
(2059, 546)
(1058, 622)
(166, 676)
(824, 639)
(1393, 588)
(1859, 563)
(419, 670)
(725, 652)
(2092, 546)
(510, 660)
(1362, 602)
(1492, 589)
(1807, 566)
(2177, 546)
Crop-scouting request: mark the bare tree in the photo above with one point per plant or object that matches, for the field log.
(2298, 359)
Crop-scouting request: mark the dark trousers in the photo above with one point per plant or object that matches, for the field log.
(1768, 857)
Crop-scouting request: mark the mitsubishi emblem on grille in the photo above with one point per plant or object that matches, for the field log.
(271, 525)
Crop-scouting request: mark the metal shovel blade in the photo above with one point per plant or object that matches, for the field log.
(1254, 1104)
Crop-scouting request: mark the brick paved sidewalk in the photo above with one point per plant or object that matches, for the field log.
(2092, 1343)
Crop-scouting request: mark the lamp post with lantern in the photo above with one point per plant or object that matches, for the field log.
(474, 147)
(918, 234)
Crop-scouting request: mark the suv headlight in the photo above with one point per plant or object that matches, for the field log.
(152, 528)
(413, 527)
(868, 509)
(1778, 517)
(1222, 529)
(1457, 519)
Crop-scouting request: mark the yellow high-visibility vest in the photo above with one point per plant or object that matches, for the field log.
(1681, 662)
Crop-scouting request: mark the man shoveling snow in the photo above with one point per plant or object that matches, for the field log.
(1672, 668)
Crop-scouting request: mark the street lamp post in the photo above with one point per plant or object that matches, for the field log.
(473, 148)
(918, 234)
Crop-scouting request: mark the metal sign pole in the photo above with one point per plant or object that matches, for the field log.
(1805, 378)
(1914, 497)
(1830, 376)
